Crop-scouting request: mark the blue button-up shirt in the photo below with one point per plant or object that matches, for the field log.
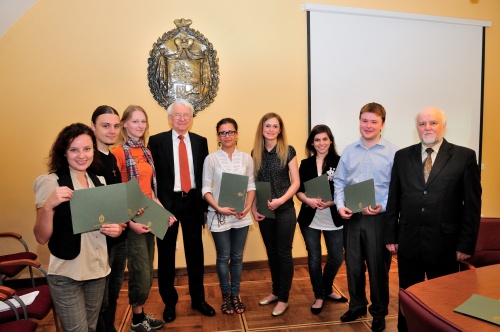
(359, 163)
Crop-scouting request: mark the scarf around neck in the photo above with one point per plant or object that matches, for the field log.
(132, 170)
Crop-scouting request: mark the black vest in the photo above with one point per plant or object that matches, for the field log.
(63, 243)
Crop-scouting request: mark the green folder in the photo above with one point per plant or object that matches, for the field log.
(233, 191)
(263, 194)
(318, 188)
(481, 307)
(155, 217)
(360, 195)
(93, 207)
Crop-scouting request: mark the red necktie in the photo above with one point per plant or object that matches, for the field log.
(184, 166)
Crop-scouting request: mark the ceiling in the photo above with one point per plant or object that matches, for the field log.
(11, 11)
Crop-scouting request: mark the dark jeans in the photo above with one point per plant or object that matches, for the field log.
(229, 246)
(117, 255)
(278, 237)
(364, 247)
(322, 281)
(188, 215)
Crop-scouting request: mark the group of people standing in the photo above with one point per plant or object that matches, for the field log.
(175, 169)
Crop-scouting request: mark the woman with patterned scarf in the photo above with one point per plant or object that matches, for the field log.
(134, 161)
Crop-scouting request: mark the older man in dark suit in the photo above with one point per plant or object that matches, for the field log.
(434, 205)
(178, 156)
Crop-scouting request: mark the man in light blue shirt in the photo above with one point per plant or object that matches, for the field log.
(369, 158)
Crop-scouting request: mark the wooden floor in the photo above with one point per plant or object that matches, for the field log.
(255, 285)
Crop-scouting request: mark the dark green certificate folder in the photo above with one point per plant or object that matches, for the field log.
(263, 194)
(360, 195)
(233, 191)
(155, 217)
(116, 203)
(318, 188)
(481, 307)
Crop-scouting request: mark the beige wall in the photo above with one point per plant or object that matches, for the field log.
(64, 58)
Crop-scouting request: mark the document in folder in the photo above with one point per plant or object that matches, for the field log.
(155, 217)
(481, 307)
(318, 187)
(360, 195)
(233, 191)
(263, 194)
(93, 207)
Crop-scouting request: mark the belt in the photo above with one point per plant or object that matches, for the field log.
(180, 194)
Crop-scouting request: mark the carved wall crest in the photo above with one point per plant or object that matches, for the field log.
(183, 65)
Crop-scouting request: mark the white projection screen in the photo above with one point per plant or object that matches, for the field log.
(403, 61)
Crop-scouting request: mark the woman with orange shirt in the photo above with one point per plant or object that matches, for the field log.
(134, 161)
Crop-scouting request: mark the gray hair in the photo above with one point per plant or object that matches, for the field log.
(182, 102)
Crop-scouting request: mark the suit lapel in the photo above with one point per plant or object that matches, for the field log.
(416, 162)
(444, 154)
(169, 150)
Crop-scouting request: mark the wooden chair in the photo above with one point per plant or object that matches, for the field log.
(12, 270)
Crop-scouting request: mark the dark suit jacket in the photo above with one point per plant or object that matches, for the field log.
(161, 147)
(434, 219)
(308, 171)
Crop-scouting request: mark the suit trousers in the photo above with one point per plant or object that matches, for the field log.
(187, 213)
(365, 248)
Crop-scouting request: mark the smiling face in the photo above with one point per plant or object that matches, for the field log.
(271, 129)
(136, 125)
(106, 129)
(180, 118)
(431, 126)
(227, 141)
(370, 126)
(321, 143)
(80, 153)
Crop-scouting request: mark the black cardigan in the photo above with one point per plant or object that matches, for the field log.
(308, 171)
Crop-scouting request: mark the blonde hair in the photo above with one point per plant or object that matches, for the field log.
(127, 114)
(258, 146)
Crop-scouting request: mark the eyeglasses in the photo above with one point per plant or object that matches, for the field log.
(226, 133)
(178, 116)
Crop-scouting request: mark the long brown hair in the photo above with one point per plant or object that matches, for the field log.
(127, 114)
(258, 146)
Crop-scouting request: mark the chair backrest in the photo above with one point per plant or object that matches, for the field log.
(487, 251)
(419, 317)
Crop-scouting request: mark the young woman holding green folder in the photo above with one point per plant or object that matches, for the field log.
(78, 263)
(229, 227)
(317, 216)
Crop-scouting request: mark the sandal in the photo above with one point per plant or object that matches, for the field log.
(238, 306)
(227, 306)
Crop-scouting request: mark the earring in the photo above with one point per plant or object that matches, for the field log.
(236, 143)
(219, 144)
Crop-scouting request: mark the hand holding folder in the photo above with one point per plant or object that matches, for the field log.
(233, 191)
(360, 195)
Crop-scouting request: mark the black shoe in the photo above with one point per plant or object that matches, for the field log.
(349, 316)
(204, 308)
(169, 313)
(378, 324)
(340, 300)
(316, 311)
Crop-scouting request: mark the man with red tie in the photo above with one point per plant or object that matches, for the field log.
(178, 156)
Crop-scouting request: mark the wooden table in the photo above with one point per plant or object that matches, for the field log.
(446, 293)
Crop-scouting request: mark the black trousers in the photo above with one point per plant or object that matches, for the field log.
(412, 271)
(365, 248)
(188, 215)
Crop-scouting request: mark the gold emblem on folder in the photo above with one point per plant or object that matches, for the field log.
(360, 205)
(101, 218)
(240, 194)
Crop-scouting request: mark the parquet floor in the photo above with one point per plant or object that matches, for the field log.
(255, 285)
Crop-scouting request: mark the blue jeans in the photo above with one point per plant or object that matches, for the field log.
(77, 302)
(140, 255)
(229, 246)
(117, 255)
(322, 281)
(278, 237)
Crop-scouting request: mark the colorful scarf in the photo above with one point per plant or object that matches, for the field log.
(132, 170)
